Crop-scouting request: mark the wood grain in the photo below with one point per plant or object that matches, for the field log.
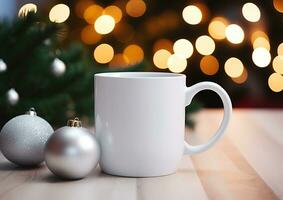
(246, 164)
(224, 171)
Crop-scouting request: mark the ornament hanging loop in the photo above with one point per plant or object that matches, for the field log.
(74, 122)
(31, 111)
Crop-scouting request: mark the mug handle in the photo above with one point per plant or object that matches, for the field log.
(190, 93)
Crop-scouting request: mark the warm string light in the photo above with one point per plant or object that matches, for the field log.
(176, 63)
(174, 55)
(103, 53)
(251, 12)
(234, 67)
(192, 15)
(134, 53)
(280, 49)
(25, 9)
(104, 24)
(183, 48)
(261, 57)
(92, 12)
(205, 45)
(275, 82)
(261, 42)
(209, 65)
(277, 64)
(257, 34)
(234, 34)
(216, 28)
(59, 13)
(160, 58)
(278, 5)
(113, 11)
(260, 39)
(135, 8)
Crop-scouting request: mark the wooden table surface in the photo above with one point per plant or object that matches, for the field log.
(246, 164)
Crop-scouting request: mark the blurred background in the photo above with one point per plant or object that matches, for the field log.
(51, 49)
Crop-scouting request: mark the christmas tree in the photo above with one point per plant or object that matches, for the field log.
(36, 71)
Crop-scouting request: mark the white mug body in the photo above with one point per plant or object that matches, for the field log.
(140, 122)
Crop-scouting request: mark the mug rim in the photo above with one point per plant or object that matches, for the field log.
(139, 75)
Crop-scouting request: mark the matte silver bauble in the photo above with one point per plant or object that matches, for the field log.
(23, 138)
(72, 152)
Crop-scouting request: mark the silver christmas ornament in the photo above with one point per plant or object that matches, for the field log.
(47, 42)
(3, 66)
(23, 138)
(58, 67)
(72, 152)
(12, 96)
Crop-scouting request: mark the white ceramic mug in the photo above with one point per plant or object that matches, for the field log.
(140, 121)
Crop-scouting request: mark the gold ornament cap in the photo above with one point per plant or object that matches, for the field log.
(74, 122)
(31, 111)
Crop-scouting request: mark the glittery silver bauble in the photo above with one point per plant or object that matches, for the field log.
(23, 138)
(72, 152)
(12, 96)
(58, 67)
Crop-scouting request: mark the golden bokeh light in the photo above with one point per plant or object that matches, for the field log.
(160, 58)
(216, 28)
(163, 44)
(241, 79)
(278, 5)
(119, 61)
(234, 67)
(257, 34)
(103, 53)
(135, 8)
(134, 53)
(92, 13)
(89, 35)
(25, 9)
(261, 57)
(81, 6)
(280, 49)
(176, 63)
(275, 82)
(192, 15)
(113, 11)
(277, 64)
(234, 34)
(59, 13)
(104, 24)
(183, 48)
(209, 65)
(251, 12)
(205, 45)
(261, 42)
